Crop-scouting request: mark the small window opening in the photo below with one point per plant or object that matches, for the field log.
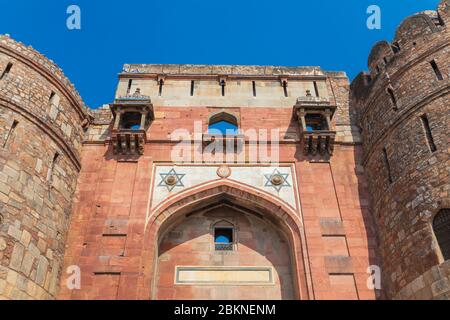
(387, 165)
(393, 98)
(161, 83)
(316, 122)
(385, 60)
(316, 89)
(223, 239)
(378, 68)
(441, 227)
(428, 133)
(131, 121)
(130, 83)
(224, 124)
(7, 70)
(285, 89)
(52, 168)
(436, 70)
(223, 84)
(10, 132)
(254, 88)
(192, 88)
(395, 47)
(52, 98)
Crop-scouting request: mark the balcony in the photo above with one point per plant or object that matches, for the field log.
(132, 117)
(314, 115)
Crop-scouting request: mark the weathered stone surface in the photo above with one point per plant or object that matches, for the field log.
(115, 231)
(40, 115)
(27, 264)
(41, 272)
(408, 179)
(440, 287)
(3, 244)
(110, 216)
(17, 256)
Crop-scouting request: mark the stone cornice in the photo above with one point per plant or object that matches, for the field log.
(170, 69)
(47, 129)
(150, 76)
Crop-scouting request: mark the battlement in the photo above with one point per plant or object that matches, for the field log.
(224, 85)
(220, 70)
(32, 56)
(415, 33)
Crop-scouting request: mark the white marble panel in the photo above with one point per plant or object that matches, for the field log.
(192, 176)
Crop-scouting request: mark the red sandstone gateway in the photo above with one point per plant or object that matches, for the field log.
(355, 206)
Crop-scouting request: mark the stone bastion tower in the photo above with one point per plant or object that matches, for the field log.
(403, 110)
(41, 127)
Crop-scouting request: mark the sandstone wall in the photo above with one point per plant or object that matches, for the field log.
(189, 243)
(107, 238)
(409, 182)
(252, 86)
(41, 117)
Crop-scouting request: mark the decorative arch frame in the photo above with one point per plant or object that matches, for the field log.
(175, 208)
(223, 116)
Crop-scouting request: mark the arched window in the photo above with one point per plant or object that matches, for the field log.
(223, 127)
(131, 121)
(223, 236)
(223, 123)
(316, 122)
(441, 228)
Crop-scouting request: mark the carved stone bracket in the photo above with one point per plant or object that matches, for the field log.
(128, 143)
(315, 143)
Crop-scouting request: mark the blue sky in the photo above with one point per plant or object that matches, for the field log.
(327, 33)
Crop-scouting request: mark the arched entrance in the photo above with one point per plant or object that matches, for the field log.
(184, 234)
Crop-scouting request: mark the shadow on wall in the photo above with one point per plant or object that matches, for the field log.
(257, 243)
(368, 219)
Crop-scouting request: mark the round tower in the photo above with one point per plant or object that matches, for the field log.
(41, 129)
(404, 115)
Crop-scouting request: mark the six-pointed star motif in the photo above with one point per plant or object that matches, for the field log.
(277, 174)
(177, 176)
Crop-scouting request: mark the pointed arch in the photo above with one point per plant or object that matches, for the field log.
(223, 116)
(173, 210)
(223, 122)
